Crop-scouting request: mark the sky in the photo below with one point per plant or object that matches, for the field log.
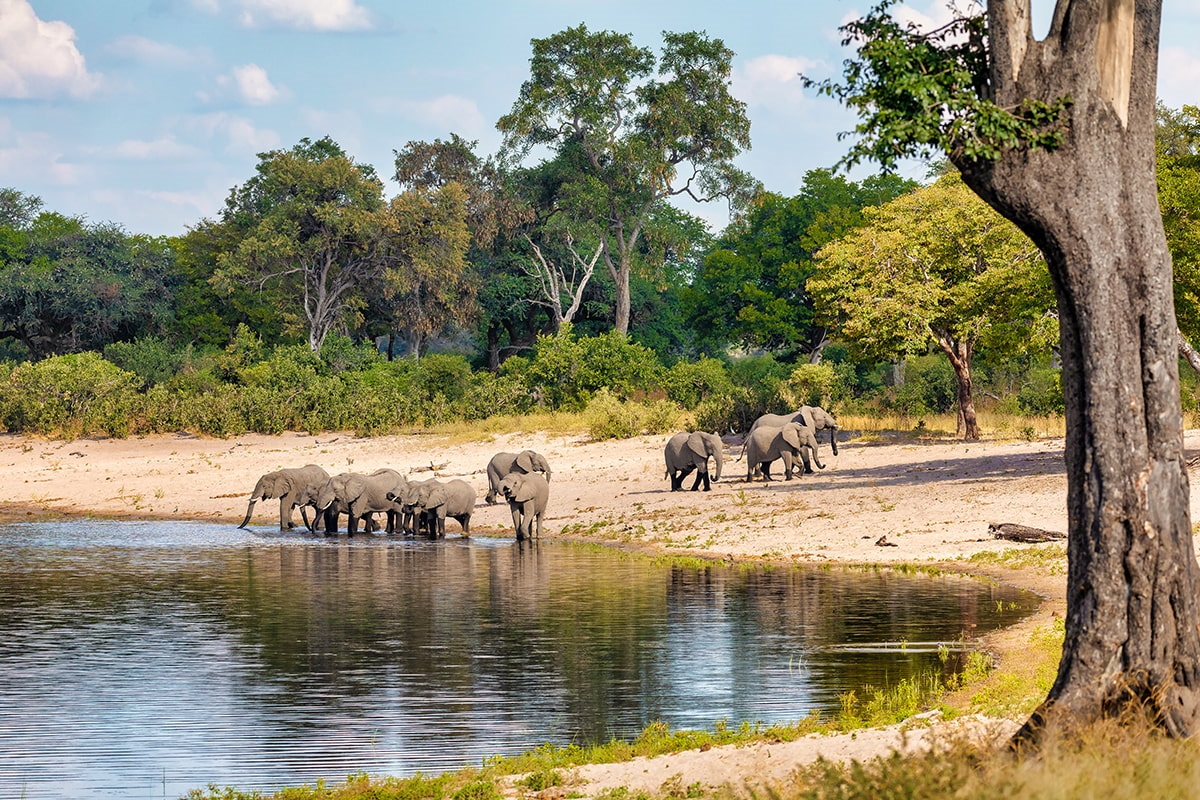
(146, 113)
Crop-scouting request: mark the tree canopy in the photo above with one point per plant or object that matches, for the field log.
(936, 265)
(646, 129)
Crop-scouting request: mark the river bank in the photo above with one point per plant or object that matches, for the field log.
(900, 501)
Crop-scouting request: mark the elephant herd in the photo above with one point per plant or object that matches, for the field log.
(409, 507)
(789, 438)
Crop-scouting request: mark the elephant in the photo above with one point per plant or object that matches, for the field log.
(504, 463)
(766, 444)
(690, 451)
(361, 495)
(814, 417)
(405, 503)
(437, 500)
(527, 495)
(293, 486)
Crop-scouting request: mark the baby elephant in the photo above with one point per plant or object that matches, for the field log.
(691, 451)
(504, 463)
(454, 499)
(527, 495)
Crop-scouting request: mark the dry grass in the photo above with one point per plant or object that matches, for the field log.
(995, 426)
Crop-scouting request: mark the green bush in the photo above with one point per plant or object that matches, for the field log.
(930, 387)
(1042, 393)
(152, 359)
(691, 383)
(566, 370)
(443, 375)
(70, 396)
(811, 385)
(609, 417)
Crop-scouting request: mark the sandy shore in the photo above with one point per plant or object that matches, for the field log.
(885, 501)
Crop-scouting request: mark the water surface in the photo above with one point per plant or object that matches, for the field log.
(147, 659)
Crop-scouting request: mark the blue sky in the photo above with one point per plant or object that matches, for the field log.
(147, 112)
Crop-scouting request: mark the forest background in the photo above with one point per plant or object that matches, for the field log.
(562, 273)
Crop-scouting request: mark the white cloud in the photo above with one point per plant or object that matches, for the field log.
(448, 113)
(316, 15)
(773, 81)
(252, 85)
(34, 158)
(239, 133)
(39, 59)
(139, 48)
(161, 149)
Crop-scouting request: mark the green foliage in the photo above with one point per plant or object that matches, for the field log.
(567, 369)
(690, 383)
(811, 385)
(922, 94)
(929, 387)
(70, 396)
(151, 358)
(1042, 393)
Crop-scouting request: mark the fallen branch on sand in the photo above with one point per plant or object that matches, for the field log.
(1022, 533)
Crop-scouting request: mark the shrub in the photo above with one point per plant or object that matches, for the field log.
(608, 417)
(566, 369)
(70, 396)
(689, 384)
(151, 359)
(1042, 393)
(930, 387)
(810, 385)
(443, 375)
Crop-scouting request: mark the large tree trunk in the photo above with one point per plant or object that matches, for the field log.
(1091, 206)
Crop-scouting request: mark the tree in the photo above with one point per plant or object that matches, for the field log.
(644, 135)
(66, 286)
(1178, 148)
(427, 283)
(936, 264)
(311, 221)
(750, 288)
(1058, 136)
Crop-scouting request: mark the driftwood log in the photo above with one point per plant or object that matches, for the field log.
(1022, 533)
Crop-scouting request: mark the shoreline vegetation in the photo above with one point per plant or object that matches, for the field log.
(931, 495)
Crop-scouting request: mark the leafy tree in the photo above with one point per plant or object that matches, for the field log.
(427, 283)
(1057, 134)
(311, 221)
(936, 265)
(644, 135)
(496, 213)
(750, 289)
(1178, 147)
(66, 286)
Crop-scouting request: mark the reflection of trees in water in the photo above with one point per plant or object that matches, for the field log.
(596, 638)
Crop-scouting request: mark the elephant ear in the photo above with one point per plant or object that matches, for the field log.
(355, 486)
(525, 490)
(806, 418)
(791, 435)
(524, 461)
(437, 497)
(697, 445)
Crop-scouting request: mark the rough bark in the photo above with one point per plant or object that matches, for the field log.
(1091, 206)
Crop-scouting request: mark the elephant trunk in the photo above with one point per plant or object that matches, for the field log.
(817, 459)
(249, 511)
(718, 463)
(833, 440)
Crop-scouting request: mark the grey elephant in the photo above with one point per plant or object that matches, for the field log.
(814, 417)
(504, 463)
(362, 495)
(293, 487)
(527, 495)
(788, 442)
(691, 451)
(437, 500)
(405, 504)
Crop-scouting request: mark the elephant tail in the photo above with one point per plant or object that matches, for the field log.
(249, 511)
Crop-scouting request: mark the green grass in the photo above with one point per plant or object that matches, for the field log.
(1050, 559)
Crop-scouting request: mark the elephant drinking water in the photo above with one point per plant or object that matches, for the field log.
(293, 486)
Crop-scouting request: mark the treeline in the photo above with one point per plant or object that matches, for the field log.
(504, 283)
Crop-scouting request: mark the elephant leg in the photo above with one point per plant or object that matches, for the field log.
(808, 470)
(351, 523)
(701, 475)
(465, 521)
(766, 471)
(707, 484)
(285, 514)
(331, 521)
